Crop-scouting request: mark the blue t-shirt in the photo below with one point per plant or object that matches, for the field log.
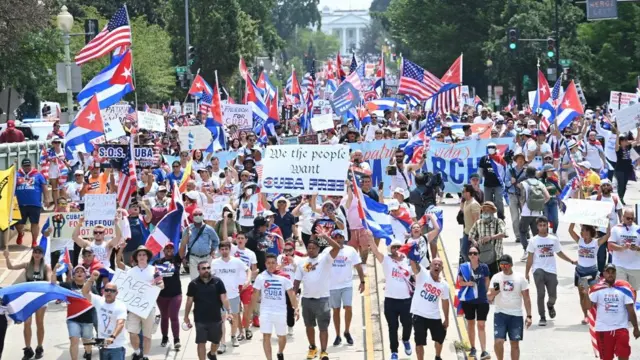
(159, 175)
(173, 178)
(29, 189)
(479, 276)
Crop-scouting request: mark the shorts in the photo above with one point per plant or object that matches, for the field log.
(316, 311)
(504, 324)
(211, 332)
(359, 239)
(235, 306)
(341, 297)
(270, 321)
(54, 172)
(31, 213)
(613, 343)
(420, 327)
(80, 330)
(246, 294)
(148, 326)
(582, 271)
(471, 311)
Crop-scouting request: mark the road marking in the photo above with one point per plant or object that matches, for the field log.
(367, 317)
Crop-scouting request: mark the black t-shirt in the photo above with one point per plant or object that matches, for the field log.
(373, 194)
(136, 234)
(490, 178)
(86, 317)
(206, 299)
(258, 243)
(171, 279)
(624, 159)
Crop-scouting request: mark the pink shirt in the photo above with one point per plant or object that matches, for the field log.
(355, 223)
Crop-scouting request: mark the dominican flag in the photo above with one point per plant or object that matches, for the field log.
(111, 84)
(86, 130)
(569, 108)
(22, 300)
(167, 230)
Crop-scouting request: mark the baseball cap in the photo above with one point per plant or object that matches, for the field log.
(393, 204)
(526, 132)
(395, 242)
(531, 123)
(11, 124)
(605, 182)
(610, 266)
(267, 213)
(506, 259)
(26, 162)
(492, 144)
(78, 172)
(337, 232)
(585, 164)
(162, 188)
(193, 195)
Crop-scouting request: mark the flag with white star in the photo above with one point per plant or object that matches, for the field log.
(111, 84)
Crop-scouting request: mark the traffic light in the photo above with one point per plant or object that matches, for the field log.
(90, 29)
(551, 47)
(512, 38)
(191, 58)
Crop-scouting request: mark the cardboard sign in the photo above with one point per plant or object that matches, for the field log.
(214, 211)
(194, 137)
(99, 207)
(62, 225)
(237, 114)
(113, 117)
(587, 212)
(137, 294)
(322, 122)
(150, 121)
(619, 100)
(628, 118)
(305, 169)
(309, 139)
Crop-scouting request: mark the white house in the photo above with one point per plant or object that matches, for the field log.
(348, 25)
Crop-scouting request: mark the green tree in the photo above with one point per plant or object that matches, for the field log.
(289, 15)
(152, 9)
(324, 45)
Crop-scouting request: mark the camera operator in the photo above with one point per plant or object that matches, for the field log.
(425, 193)
(400, 172)
(516, 174)
(492, 186)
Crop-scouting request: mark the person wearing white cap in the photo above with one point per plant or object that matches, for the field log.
(57, 161)
(397, 294)
(402, 195)
(483, 118)
(590, 179)
(594, 152)
(575, 154)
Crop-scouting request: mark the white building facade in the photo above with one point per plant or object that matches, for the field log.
(347, 25)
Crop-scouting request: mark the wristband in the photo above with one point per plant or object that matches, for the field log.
(529, 317)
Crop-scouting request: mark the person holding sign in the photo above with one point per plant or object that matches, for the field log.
(624, 243)
(100, 247)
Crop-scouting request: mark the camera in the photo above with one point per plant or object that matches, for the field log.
(392, 170)
(508, 156)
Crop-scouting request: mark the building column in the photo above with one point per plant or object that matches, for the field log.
(344, 41)
(358, 38)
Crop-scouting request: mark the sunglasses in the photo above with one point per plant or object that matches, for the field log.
(98, 232)
(288, 250)
(205, 268)
(629, 218)
(473, 254)
(112, 291)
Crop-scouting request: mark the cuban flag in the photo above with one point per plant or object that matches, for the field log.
(214, 122)
(378, 219)
(111, 84)
(273, 118)
(543, 93)
(477, 102)
(65, 262)
(378, 106)
(569, 108)
(411, 101)
(403, 218)
(465, 293)
(414, 148)
(167, 230)
(267, 87)
(86, 130)
(499, 166)
(357, 194)
(255, 99)
(331, 86)
(549, 107)
(439, 214)
(45, 243)
(511, 105)
(22, 300)
(305, 119)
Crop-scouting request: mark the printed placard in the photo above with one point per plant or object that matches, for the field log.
(143, 156)
(137, 294)
(213, 211)
(628, 118)
(587, 212)
(62, 225)
(309, 139)
(619, 100)
(150, 121)
(305, 169)
(237, 114)
(194, 137)
(113, 117)
(112, 151)
(322, 122)
(189, 108)
(99, 206)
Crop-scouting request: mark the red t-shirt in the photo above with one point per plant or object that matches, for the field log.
(190, 209)
(11, 136)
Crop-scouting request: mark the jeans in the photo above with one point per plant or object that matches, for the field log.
(514, 210)
(551, 212)
(464, 247)
(545, 281)
(623, 178)
(170, 310)
(526, 223)
(112, 354)
(3, 332)
(494, 194)
(394, 309)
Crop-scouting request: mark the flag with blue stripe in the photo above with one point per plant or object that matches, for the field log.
(111, 84)
(22, 300)
(378, 219)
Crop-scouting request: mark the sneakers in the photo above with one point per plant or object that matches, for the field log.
(407, 347)
(136, 356)
(39, 351)
(222, 349)
(524, 257)
(347, 336)
(28, 353)
(280, 356)
(19, 242)
(234, 342)
(211, 356)
(485, 355)
(86, 356)
(543, 322)
(394, 356)
(290, 331)
(240, 336)
(552, 311)
(337, 341)
(248, 334)
(472, 353)
(176, 343)
(324, 356)
(312, 353)
(256, 321)
(165, 341)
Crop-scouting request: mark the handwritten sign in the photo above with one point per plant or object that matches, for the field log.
(587, 212)
(619, 100)
(151, 121)
(305, 169)
(189, 108)
(99, 206)
(214, 211)
(237, 114)
(628, 118)
(113, 117)
(322, 122)
(137, 294)
(62, 225)
(194, 137)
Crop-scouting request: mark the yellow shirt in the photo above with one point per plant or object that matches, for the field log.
(590, 182)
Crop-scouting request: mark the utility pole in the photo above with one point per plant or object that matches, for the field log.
(557, 31)
(186, 39)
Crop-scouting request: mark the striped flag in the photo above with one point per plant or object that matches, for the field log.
(127, 179)
(418, 82)
(116, 34)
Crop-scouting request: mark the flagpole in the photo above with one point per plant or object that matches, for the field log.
(133, 69)
(535, 111)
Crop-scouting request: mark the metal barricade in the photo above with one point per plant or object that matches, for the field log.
(15, 152)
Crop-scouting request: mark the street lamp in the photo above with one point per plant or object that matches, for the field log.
(65, 24)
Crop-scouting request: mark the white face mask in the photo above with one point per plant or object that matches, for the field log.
(486, 216)
(248, 192)
(198, 219)
(491, 151)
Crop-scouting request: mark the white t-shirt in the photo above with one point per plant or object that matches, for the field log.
(528, 147)
(592, 155)
(509, 299)
(587, 253)
(525, 209)
(396, 275)
(101, 253)
(621, 235)
(342, 268)
(247, 256)
(274, 293)
(306, 219)
(612, 312)
(613, 217)
(248, 210)
(479, 120)
(544, 250)
(399, 181)
(233, 273)
(287, 265)
(108, 316)
(73, 189)
(314, 274)
(428, 291)
(370, 131)
(399, 230)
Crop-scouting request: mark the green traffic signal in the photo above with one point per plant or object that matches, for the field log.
(551, 53)
(512, 46)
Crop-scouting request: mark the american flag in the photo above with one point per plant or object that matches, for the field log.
(418, 82)
(47, 157)
(132, 115)
(446, 101)
(555, 95)
(117, 34)
(356, 77)
(430, 125)
(127, 179)
(354, 64)
(205, 103)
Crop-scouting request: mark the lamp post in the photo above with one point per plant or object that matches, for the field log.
(65, 24)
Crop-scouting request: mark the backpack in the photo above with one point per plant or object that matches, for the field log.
(535, 195)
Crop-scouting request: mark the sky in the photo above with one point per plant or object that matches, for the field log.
(345, 4)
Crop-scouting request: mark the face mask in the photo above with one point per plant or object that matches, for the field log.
(491, 151)
(248, 192)
(486, 216)
(198, 219)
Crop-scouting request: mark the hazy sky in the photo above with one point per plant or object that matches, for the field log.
(346, 4)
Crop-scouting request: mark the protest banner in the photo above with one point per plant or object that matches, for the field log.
(628, 118)
(194, 137)
(305, 169)
(213, 211)
(113, 118)
(151, 121)
(112, 151)
(62, 225)
(156, 111)
(99, 206)
(619, 100)
(587, 212)
(322, 122)
(143, 156)
(237, 114)
(289, 140)
(189, 108)
(137, 294)
(309, 139)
